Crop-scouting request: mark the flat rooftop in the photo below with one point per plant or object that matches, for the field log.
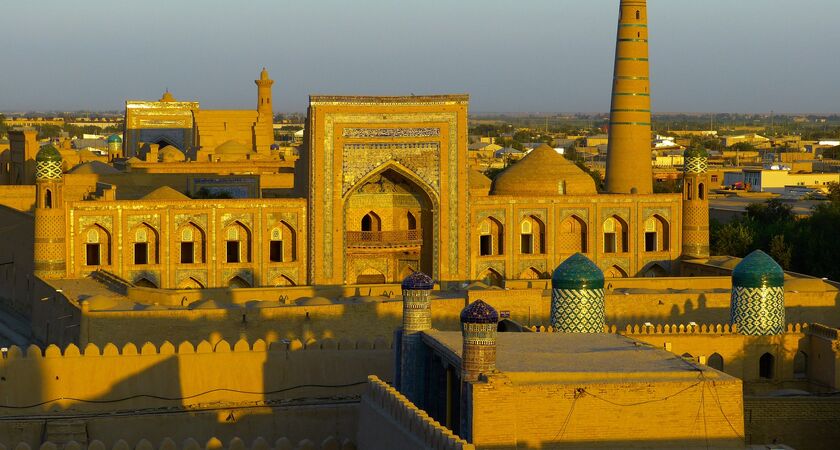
(530, 358)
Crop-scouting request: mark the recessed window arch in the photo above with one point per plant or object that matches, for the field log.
(97, 246)
(531, 236)
(238, 243)
(616, 235)
(282, 243)
(192, 244)
(715, 361)
(491, 237)
(572, 237)
(800, 365)
(371, 222)
(48, 201)
(766, 366)
(657, 234)
(701, 191)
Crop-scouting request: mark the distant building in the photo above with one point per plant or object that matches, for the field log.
(770, 180)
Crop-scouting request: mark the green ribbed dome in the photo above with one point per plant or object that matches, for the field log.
(696, 152)
(48, 153)
(577, 272)
(114, 138)
(758, 270)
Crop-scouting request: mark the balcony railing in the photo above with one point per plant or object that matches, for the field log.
(397, 238)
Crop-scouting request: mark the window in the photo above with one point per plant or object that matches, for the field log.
(714, 178)
(187, 252)
(800, 365)
(766, 366)
(412, 221)
(141, 253)
(233, 251)
(715, 361)
(367, 223)
(638, 15)
(92, 249)
(275, 251)
(650, 235)
(527, 238)
(48, 199)
(275, 247)
(609, 242)
(485, 244)
(609, 235)
(92, 254)
(701, 191)
(688, 189)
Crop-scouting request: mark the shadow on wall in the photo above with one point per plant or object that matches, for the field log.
(198, 392)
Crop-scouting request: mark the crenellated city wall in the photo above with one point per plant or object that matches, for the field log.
(131, 377)
(388, 421)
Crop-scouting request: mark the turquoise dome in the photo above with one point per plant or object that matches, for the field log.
(114, 139)
(48, 153)
(758, 270)
(577, 272)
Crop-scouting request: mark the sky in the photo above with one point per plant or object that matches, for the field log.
(509, 55)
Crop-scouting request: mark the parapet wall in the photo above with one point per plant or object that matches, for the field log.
(186, 376)
(388, 421)
(331, 443)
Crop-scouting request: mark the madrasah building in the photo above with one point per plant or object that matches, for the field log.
(200, 287)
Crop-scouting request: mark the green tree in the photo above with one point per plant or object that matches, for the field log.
(734, 238)
(834, 193)
(781, 251)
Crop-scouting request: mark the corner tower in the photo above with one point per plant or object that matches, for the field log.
(49, 245)
(628, 158)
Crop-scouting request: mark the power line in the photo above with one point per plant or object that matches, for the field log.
(159, 397)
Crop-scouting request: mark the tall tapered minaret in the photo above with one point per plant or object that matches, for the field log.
(629, 157)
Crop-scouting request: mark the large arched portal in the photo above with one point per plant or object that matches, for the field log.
(389, 226)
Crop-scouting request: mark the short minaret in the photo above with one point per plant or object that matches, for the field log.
(629, 155)
(695, 228)
(577, 296)
(49, 247)
(115, 145)
(264, 93)
(264, 127)
(479, 322)
(417, 317)
(758, 296)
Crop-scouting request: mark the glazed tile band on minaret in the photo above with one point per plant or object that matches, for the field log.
(628, 158)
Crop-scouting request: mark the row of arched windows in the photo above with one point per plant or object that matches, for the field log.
(192, 244)
(572, 236)
(766, 364)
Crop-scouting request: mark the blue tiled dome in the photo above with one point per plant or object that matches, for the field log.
(418, 281)
(577, 272)
(758, 270)
(48, 153)
(479, 312)
(114, 138)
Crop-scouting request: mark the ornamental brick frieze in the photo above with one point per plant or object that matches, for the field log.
(498, 214)
(541, 214)
(662, 212)
(199, 275)
(198, 219)
(391, 132)
(289, 217)
(623, 213)
(497, 266)
(539, 264)
(106, 222)
(245, 274)
(151, 275)
(582, 213)
(150, 219)
(243, 218)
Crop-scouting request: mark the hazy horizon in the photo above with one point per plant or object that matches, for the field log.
(751, 56)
